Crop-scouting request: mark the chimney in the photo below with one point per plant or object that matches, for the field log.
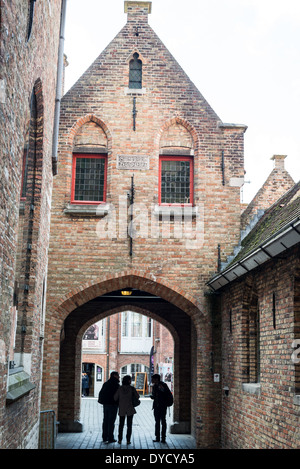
(278, 161)
(137, 12)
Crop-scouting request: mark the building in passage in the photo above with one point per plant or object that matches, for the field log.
(141, 347)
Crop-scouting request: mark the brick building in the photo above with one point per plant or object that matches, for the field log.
(28, 76)
(259, 301)
(137, 121)
(146, 199)
(129, 343)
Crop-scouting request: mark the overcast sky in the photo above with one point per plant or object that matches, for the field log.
(243, 56)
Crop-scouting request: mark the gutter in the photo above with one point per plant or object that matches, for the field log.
(60, 66)
(284, 239)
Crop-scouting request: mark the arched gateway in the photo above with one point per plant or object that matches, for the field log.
(192, 340)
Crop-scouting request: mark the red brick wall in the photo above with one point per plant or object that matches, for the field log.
(25, 66)
(271, 419)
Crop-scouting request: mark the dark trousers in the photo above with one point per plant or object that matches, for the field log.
(129, 427)
(109, 418)
(160, 418)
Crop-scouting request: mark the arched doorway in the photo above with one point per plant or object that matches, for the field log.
(192, 350)
(131, 343)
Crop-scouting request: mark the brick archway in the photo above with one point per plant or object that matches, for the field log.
(137, 279)
(106, 315)
(76, 310)
(137, 309)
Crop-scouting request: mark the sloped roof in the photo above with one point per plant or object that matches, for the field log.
(280, 214)
(277, 230)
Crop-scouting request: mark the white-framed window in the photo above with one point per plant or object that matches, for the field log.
(132, 369)
(136, 332)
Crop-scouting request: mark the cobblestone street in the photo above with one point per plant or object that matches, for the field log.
(142, 431)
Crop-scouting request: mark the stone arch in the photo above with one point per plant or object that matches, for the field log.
(131, 278)
(70, 351)
(90, 137)
(136, 51)
(84, 120)
(137, 309)
(178, 121)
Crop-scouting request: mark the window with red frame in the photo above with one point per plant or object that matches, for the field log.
(176, 180)
(88, 179)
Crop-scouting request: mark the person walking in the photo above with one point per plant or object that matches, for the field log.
(160, 395)
(110, 406)
(125, 395)
(85, 385)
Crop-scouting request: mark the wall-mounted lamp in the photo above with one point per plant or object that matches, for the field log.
(126, 292)
(226, 390)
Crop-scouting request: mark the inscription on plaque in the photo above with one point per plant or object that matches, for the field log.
(133, 162)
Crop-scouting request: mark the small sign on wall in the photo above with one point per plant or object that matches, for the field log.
(216, 378)
(132, 162)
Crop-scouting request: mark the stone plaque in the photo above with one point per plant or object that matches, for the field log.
(133, 162)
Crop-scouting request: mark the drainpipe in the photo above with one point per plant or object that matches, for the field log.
(60, 66)
(107, 347)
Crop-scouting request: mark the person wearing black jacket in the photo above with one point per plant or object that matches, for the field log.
(110, 406)
(159, 395)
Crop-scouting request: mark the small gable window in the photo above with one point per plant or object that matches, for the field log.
(135, 72)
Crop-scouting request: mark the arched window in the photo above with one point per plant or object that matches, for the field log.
(135, 72)
(30, 18)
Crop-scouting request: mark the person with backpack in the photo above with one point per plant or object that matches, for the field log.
(162, 398)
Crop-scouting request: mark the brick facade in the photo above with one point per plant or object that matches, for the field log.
(172, 118)
(29, 50)
(168, 260)
(261, 413)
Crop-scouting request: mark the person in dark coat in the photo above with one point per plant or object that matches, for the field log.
(85, 384)
(110, 406)
(159, 396)
(126, 409)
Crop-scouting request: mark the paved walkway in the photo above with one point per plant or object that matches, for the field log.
(142, 430)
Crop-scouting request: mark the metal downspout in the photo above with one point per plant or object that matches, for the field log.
(60, 65)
